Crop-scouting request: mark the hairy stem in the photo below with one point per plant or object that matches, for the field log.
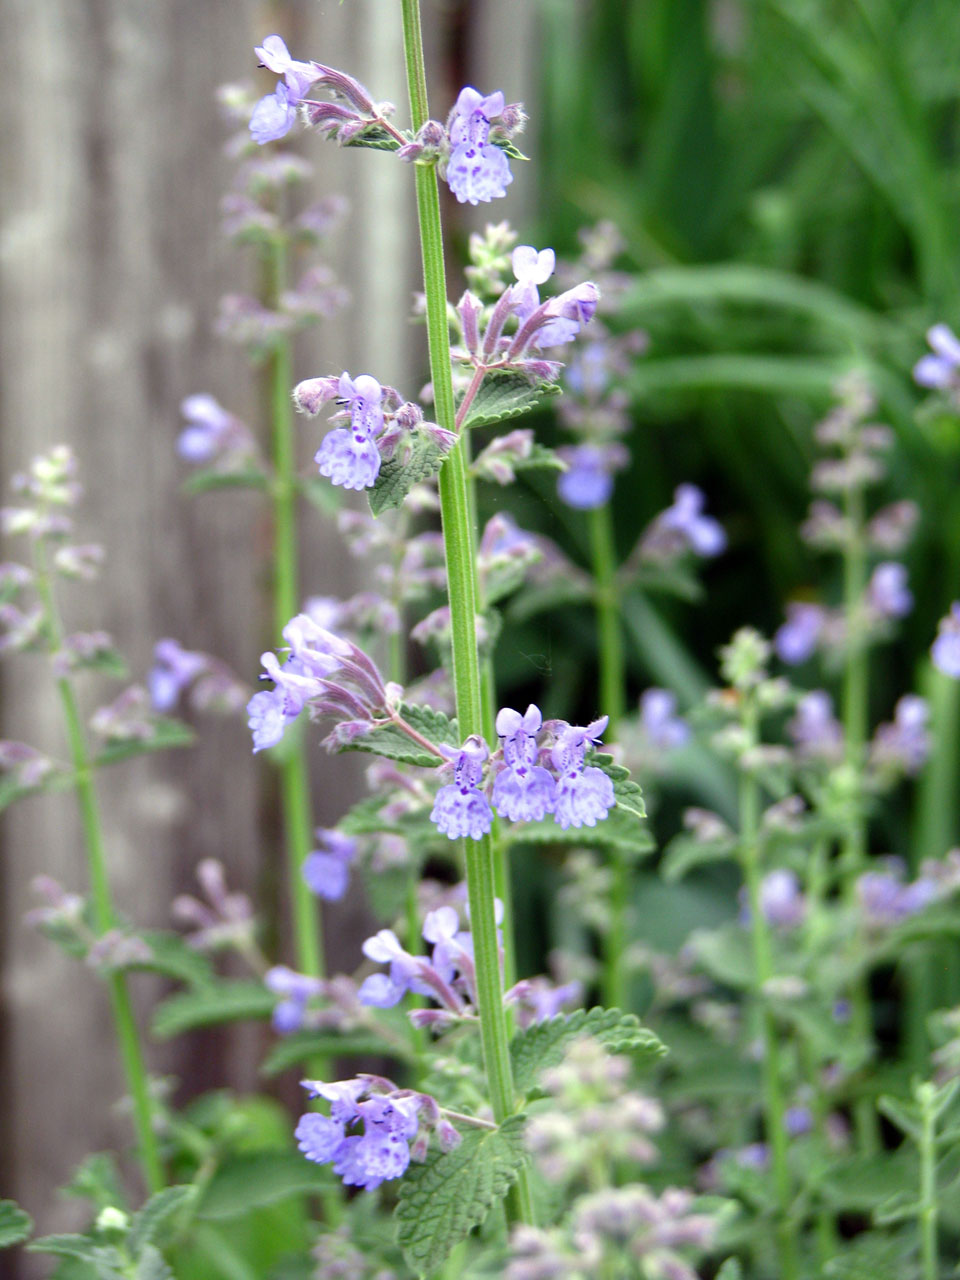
(612, 684)
(855, 719)
(458, 540)
(776, 1134)
(104, 915)
(929, 1253)
(294, 773)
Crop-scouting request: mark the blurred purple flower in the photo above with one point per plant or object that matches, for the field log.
(796, 639)
(945, 650)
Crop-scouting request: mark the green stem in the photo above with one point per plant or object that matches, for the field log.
(776, 1134)
(294, 772)
(462, 589)
(612, 683)
(855, 721)
(104, 915)
(926, 1096)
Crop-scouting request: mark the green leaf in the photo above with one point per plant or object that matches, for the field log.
(106, 1259)
(375, 136)
(11, 789)
(731, 1270)
(443, 1199)
(15, 1224)
(301, 1046)
(557, 592)
(167, 733)
(628, 794)
(108, 662)
(173, 958)
(546, 1043)
(320, 493)
(619, 829)
(210, 478)
(97, 1179)
(389, 741)
(725, 954)
(506, 395)
(208, 1006)
(416, 459)
(902, 1206)
(262, 1178)
(157, 1214)
(151, 1265)
(905, 1115)
(685, 853)
(508, 149)
(859, 1184)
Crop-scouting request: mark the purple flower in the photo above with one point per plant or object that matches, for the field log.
(814, 730)
(781, 902)
(299, 75)
(274, 115)
(327, 870)
(381, 1152)
(349, 456)
(887, 592)
(885, 900)
(701, 533)
(381, 990)
(905, 743)
(945, 651)
(207, 424)
(664, 729)
(461, 808)
(798, 1121)
(523, 791)
(796, 640)
(296, 989)
(584, 794)
(533, 268)
(588, 481)
(939, 370)
(174, 668)
(477, 171)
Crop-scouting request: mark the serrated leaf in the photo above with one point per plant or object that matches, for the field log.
(261, 1178)
(628, 794)
(374, 136)
(443, 1199)
(508, 149)
(151, 1265)
(540, 456)
(417, 459)
(872, 1256)
(685, 853)
(167, 733)
(546, 1044)
(389, 741)
(209, 1006)
(301, 1046)
(506, 395)
(156, 1216)
(619, 829)
(15, 1224)
(210, 478)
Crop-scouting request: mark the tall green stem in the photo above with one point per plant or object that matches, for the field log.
(294, 773)
(776, 1134)
(462, 589)
(929, 1253)
(612, 702)
(104, 915)
(855, 722)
